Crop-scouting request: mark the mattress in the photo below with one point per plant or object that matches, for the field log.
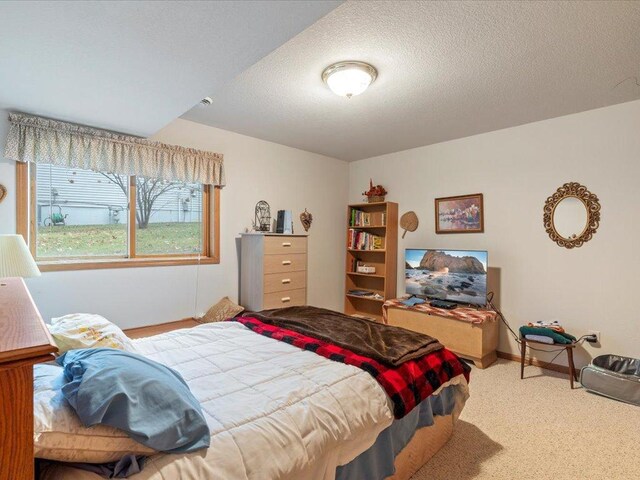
(274, 411)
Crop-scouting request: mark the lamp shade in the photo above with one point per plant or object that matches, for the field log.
(15, 258)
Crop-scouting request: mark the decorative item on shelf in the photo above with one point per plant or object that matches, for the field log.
(461, 214)
(368, 269)
(376, 193)
(3, 192)
(306, 218)
(571, 215)
(409, 222)
(262, 221)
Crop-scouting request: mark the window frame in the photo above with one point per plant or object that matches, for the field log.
(26, 226)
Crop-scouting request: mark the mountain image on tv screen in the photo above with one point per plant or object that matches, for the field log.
(453, 275)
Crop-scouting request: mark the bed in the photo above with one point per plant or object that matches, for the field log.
(276, 411)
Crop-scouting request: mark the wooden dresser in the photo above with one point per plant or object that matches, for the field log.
(24, 341)
(273, 271)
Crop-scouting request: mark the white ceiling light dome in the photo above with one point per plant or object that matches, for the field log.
(349, 78)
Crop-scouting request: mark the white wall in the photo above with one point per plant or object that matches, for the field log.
(256, 170)
(592, 287)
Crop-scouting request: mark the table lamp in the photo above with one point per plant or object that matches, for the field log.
(15, 258)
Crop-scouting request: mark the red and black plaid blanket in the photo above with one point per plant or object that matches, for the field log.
(407, 385)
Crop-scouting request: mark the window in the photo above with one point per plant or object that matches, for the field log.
(76, 219)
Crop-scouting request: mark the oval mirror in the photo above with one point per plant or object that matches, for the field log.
(570, 217)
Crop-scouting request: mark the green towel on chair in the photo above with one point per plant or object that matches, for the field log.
(563, 338)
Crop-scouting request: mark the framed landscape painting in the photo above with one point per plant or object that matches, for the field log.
(461, 214)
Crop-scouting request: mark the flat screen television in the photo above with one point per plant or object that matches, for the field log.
(454, 275)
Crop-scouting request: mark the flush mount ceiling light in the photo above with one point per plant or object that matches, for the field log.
(349, 78)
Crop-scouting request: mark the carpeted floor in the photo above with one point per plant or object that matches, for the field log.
(537, 428)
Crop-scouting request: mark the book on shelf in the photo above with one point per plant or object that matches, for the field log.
(360, 293)
(358, 240)
(354, 265)
(367, 219)
(365, 294)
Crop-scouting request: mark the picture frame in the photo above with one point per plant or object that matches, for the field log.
(460, 214)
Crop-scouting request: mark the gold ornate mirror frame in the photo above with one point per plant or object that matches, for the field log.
(592, 205)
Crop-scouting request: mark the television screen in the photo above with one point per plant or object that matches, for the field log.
(453, 275)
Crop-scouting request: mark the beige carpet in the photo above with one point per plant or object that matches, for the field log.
(537, 428)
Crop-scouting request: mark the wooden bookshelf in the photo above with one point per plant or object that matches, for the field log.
(383, 282)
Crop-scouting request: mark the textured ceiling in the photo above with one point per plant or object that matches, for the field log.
(446, 70)
(134, 66)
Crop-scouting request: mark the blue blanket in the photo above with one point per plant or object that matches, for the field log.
(149, 401)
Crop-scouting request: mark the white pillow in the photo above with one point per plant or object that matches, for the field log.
(86, 330)
(58, 432)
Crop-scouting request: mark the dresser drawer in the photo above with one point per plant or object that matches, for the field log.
(280, 245)
(287, 298)
(278, 282)
(285, 263)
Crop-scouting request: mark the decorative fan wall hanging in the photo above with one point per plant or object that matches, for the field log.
(409, 222)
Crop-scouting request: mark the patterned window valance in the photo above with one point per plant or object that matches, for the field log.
(41, 140)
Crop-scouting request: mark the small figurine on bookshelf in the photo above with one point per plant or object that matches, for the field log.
(376, 193)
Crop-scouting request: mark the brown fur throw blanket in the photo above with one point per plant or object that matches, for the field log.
(385, 343)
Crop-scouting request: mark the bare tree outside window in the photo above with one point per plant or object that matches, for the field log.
(148, 191)
(174, 208)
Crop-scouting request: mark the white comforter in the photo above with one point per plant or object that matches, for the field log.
(275, 411)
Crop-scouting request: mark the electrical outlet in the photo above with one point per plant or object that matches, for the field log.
(596, 333)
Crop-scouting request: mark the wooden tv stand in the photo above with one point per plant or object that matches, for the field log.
(470, 333)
